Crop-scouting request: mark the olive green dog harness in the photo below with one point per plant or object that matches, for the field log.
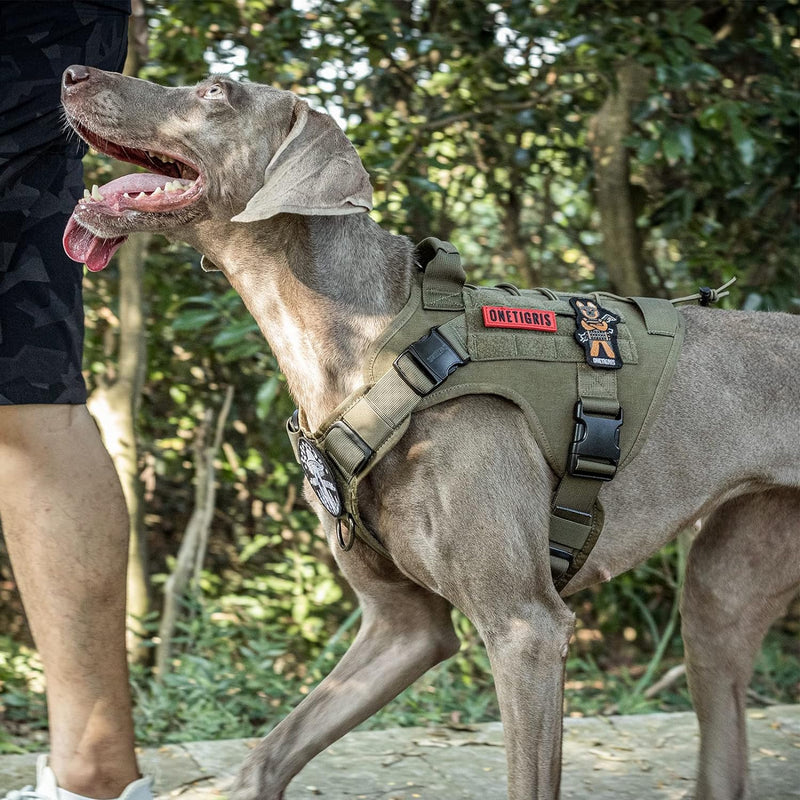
(588, 372)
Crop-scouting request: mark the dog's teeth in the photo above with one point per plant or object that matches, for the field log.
(87, 195)
(96, 193)
(159, 190)
(126, 195)
(141, 195)
(160, 157)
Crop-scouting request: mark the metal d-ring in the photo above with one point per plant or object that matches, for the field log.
(349, 522)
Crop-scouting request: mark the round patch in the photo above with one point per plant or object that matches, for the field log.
(320, 477)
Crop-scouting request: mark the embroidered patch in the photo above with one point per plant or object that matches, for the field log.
(596, 332)
(528, 319)
(320, 476)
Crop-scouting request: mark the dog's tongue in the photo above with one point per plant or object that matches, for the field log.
(83, 246)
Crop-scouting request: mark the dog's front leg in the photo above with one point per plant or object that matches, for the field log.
(528, 651)
(405, 631)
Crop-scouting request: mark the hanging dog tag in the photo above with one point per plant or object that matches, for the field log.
(320, 476)
(596, 332)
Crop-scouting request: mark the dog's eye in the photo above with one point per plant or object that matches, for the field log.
(214, 92)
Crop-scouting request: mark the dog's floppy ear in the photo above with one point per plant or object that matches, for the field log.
(315, 171)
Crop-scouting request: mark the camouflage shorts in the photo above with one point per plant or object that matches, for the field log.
(41, 179)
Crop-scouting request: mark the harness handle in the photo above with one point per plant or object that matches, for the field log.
(444, 276)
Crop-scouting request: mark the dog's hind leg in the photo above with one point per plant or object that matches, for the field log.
(743, 570)
(405, 631)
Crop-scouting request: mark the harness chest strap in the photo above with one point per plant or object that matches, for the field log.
(370, 422)
(577, 515)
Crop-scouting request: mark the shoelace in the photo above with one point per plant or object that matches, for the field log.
(26, 793)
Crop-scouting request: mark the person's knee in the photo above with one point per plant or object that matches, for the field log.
(57, 450)
(31, 425)
(57, 480)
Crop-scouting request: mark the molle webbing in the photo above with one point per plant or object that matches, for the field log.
(438, 348)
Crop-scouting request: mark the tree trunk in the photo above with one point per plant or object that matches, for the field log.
(194, 542)
(517, 244)
(114, 404)
(622, 245)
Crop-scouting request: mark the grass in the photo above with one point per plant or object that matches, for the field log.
(235, 674)
(238, 693)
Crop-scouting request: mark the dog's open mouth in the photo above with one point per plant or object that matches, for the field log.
(172, 184)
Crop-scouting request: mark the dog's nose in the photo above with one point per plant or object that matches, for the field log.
(75, 74)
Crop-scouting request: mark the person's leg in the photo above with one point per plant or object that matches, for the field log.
(66, 529)
(61, 505)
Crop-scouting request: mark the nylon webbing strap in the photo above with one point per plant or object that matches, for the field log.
(598, 390)
(373, 422)
(660, 318)
(455, 331)
(576, 516)
(375, 416)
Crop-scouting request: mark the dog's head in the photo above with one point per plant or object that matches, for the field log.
(222, 149)
(588, 309)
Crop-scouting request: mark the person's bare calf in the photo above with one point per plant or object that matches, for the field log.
(65, 524)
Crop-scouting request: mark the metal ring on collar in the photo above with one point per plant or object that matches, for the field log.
(346, 544)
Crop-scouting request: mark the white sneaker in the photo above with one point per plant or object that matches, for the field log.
(47, 787)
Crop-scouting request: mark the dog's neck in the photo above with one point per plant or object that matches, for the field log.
(321, 290)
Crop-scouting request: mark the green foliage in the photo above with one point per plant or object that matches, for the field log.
(474, 121)
(22, 708)
(777, 669)
(244, 659)
(241, 667)
(229, 678)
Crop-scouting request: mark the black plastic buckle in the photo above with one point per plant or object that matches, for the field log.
(596, 438)
(557, 552)
(365, 449)
(435, 356)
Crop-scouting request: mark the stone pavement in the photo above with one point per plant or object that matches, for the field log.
(646, 757)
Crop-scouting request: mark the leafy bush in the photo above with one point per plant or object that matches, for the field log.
(23, 717)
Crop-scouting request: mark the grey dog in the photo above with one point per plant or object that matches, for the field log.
(273, 193)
